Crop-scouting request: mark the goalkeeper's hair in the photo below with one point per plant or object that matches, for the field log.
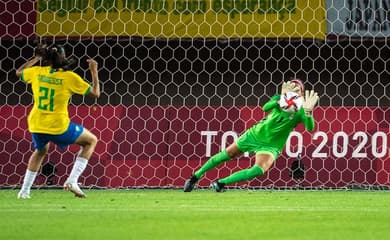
(299, 83)
(55, 56)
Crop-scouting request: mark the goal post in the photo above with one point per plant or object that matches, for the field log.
(182, 79)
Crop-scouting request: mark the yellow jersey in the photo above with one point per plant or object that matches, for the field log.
(52, 90)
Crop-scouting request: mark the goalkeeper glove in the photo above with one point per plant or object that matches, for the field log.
(290, 87)
(309, 102)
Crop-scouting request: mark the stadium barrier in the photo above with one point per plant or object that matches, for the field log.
(161, 146)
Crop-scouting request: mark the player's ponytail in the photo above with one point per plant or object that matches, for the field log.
(55, 55)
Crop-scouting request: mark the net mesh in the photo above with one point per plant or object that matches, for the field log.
(176, 92)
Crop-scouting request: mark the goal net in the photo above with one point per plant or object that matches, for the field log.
(182, 79)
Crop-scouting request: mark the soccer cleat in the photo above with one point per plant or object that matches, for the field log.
(74, 188)
(190, 184)
(217, 186)
(23, 195)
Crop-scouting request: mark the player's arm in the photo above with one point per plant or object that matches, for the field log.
(95, 89)
(40, 51)
(311, 99)
(272, 103)
(27, 64)
(309, 123)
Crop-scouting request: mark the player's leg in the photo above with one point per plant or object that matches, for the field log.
(263, 162)
(34, 163)
(230, 152)
(87, 141)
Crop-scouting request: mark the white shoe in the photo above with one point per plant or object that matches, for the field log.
(74, 188)
(23, 195)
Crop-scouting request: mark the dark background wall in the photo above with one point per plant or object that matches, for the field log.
(201, 72)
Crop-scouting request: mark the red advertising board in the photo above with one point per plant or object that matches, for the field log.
(17, 19)
(161, 146)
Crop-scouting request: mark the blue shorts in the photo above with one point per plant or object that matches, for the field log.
(63, 140)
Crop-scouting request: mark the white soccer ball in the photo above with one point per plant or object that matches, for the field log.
(290, 102)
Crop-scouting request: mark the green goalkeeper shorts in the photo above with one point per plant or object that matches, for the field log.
(247, 143)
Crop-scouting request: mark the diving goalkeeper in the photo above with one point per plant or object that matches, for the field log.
(266, 138)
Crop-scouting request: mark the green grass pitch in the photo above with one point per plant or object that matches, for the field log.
(201, 214)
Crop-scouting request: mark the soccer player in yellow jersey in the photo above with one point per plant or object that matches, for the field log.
(48, 121)
(266, 139)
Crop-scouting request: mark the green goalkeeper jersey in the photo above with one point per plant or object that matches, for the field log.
(274, 129)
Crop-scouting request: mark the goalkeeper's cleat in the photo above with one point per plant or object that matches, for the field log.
(74, 188)
(23, 195)
(217, 186)
(190, 184)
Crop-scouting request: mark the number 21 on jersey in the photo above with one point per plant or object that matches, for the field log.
(46, 99)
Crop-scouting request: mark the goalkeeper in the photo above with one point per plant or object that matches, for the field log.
(48, 121)
(266, 138)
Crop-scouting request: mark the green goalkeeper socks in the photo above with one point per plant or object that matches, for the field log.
(243, 175)
(212, 162)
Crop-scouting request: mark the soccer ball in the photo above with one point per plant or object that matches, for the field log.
(290, 102)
